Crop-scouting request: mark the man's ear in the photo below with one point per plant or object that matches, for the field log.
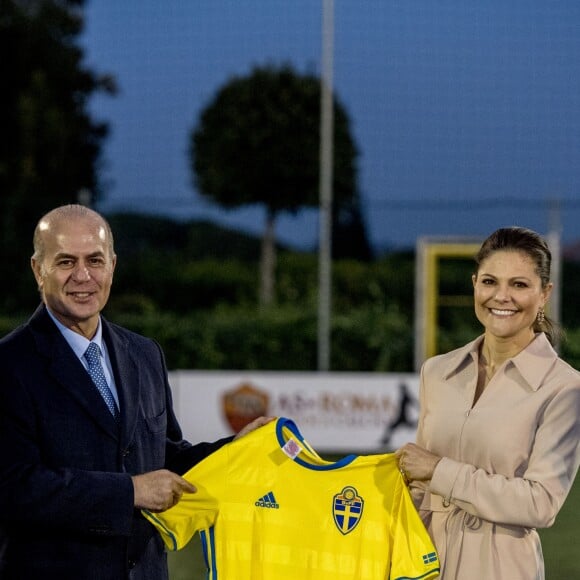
(37, 271)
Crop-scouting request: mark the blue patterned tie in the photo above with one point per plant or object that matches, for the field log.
(93, 356)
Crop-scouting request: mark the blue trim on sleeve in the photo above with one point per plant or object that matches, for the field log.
(164, 529)
(426, 575)
(209, 554)
(213, 555)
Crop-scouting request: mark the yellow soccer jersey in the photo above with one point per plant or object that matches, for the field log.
(268, 507)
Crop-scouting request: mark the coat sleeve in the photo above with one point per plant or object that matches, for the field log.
(58, 468)
(180, 454)
(534, 499)
(418, 489)
(31, 493)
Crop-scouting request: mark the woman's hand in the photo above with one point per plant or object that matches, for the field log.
(416, 463)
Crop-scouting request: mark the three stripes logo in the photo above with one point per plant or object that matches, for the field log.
(268, 501)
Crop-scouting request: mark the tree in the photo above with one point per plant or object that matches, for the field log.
(349, 236)
(50, 146)
(257, 142)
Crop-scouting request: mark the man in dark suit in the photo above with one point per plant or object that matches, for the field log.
(77, 465)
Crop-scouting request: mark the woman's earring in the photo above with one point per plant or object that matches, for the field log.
(541, 316)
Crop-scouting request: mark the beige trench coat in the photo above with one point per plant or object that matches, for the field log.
(508, 461)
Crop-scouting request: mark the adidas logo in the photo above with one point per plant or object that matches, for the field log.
(268, 501)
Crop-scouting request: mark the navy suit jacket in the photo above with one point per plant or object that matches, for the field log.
(66, 495)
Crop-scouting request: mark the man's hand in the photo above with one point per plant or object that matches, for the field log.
(159, 490)
(259, 422)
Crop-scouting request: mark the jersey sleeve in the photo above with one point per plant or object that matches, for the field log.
(194, 511)
(414, 556)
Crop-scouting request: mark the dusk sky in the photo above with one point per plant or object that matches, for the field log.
(466, 114)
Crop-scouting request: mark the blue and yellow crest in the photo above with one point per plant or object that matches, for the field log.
(347, 508)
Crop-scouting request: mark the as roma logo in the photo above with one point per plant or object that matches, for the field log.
(244, 404)
(347, 509)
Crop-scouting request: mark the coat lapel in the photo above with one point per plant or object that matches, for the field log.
(64, 366)
(127, 378)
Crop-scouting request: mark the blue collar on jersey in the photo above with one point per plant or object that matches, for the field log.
(284, 423)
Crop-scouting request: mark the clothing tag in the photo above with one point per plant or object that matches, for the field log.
(292, 449)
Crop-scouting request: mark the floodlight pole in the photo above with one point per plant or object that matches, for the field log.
(325, 187)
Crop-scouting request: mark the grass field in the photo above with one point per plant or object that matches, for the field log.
(561, 545)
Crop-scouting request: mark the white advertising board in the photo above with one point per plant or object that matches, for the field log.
(335, 412)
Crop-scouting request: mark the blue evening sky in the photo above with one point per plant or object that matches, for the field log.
(466, 113)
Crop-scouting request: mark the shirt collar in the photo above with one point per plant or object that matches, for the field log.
(463, 355)
(77, 342)
(536, 360)
(533, 363)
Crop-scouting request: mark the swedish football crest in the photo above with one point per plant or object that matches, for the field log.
(347, 508)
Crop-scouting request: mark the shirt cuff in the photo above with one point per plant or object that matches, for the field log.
(444, 478)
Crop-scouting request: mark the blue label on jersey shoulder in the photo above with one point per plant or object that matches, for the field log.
(347, 509)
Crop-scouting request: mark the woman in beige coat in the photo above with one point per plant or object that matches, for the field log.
(498, 443)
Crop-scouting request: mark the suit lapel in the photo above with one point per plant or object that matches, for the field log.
(64, 366)
(127, 378)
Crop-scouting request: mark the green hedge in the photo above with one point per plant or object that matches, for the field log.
(279, 339)
(204, 312)
(285, 338)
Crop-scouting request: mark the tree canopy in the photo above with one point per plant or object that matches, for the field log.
(50, 147)
(258, 142)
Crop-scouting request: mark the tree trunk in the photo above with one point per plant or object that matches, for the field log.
(268, 262)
